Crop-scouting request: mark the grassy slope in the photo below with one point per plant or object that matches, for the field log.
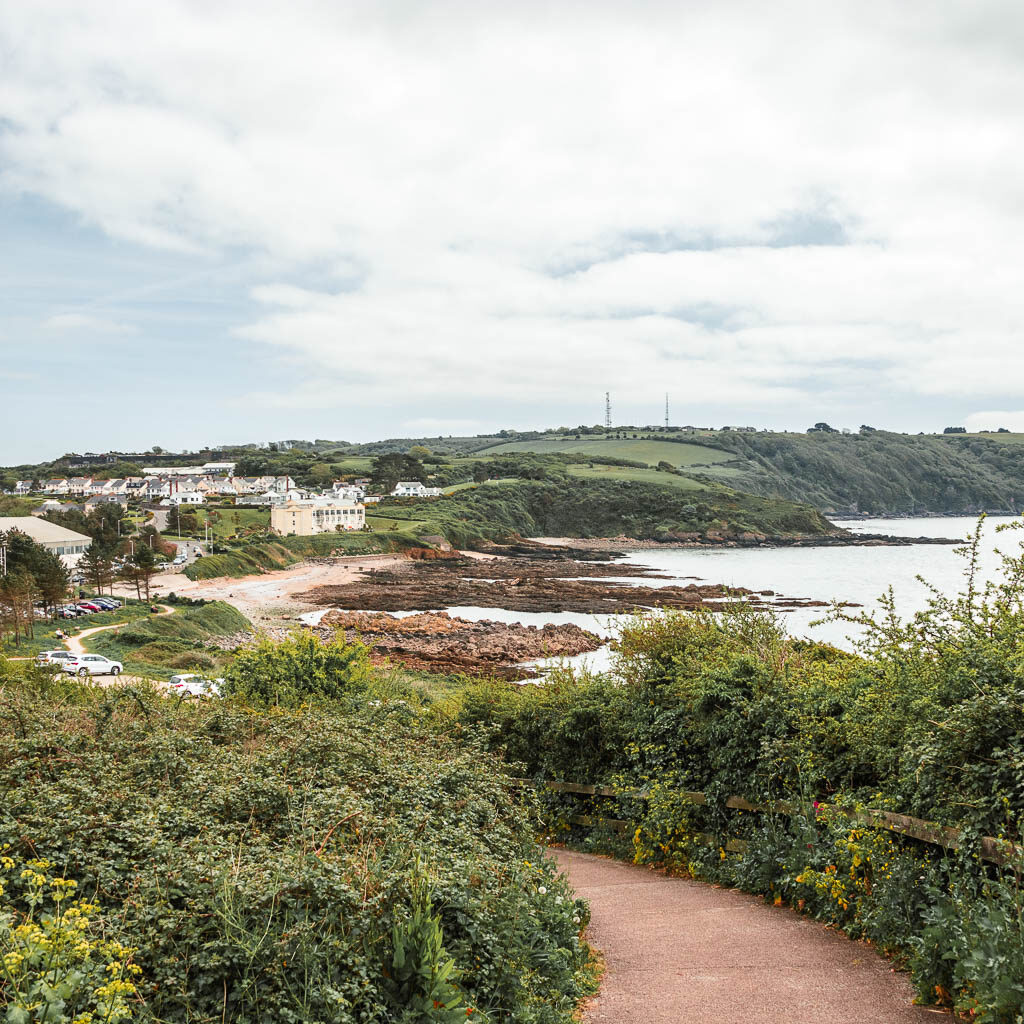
(161, 645)
(877, 473)
(645, 476)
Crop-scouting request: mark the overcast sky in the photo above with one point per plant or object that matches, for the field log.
(241, 221)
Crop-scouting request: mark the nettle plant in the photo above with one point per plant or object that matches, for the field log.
(55, 964)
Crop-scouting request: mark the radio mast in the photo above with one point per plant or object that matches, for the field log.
(666, 410)
(607, 410)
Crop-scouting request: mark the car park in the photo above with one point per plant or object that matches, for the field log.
(88, 606)
(106, 604)
(91, 665)
(194, 685)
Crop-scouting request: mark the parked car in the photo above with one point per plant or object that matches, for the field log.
(92, 665)
(195, 685)
(89, 606)
(53, 659)
(68, 612)
(105, 603)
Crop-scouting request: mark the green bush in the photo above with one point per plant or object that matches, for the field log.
(310, 865)
(297, 670)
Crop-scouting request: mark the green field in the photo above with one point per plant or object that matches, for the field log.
(649, 450)
(471, 483)
(384, 523)
(644, 476)
(157, 646)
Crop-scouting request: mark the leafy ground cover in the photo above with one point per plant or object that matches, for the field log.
(353, 861)
(927, 719)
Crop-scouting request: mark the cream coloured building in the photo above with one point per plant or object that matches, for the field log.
(305, 518)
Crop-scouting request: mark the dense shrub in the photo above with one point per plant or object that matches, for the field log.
(297, 670)
(330, 864)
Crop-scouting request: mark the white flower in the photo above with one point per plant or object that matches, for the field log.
(576, 919)
(558, 899)
(542, 890)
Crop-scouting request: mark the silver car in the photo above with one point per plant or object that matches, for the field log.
(53, 659)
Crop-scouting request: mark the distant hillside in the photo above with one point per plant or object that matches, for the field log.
(574, 507)
(875, 472)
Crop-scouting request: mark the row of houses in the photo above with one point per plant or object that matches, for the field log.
(159, 485)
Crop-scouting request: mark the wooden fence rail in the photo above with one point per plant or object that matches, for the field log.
(997, 851)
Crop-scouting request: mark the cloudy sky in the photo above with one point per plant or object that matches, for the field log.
(241, 221)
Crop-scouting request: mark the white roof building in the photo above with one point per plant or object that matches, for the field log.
(70, 546)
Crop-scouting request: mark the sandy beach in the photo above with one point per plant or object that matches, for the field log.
(271, 597)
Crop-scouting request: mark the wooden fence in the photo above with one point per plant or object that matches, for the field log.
(997, 851)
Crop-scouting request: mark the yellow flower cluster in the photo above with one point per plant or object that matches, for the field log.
(46, 935)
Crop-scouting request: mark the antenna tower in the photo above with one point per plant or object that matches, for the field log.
(666, 410)
(608, 410)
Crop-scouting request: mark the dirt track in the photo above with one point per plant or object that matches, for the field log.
(678, 951)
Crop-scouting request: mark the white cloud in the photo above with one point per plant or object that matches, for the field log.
(450, 164)
(86, 322)
(1012, 421)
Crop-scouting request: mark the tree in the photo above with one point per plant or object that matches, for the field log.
(955, 430)
(320, 474)
(389, 469)
(97, 566)
(420, 451)
(139, 571)
(822, 428)
(157, 450)
(17, 593)
(48, 575)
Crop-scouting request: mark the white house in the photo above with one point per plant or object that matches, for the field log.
(184, 498)
(414, 489)
(23, 487)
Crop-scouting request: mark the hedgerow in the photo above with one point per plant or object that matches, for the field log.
(308, 864)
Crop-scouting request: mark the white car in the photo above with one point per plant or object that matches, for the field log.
(53, 659)
(92, 665)
(195, 685)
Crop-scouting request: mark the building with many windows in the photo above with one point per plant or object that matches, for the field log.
(306, 518)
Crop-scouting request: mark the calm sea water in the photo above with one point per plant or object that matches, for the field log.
(858, 574)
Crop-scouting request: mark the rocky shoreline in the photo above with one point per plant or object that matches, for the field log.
(611, 546)
(439, 642)
(526, 584)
